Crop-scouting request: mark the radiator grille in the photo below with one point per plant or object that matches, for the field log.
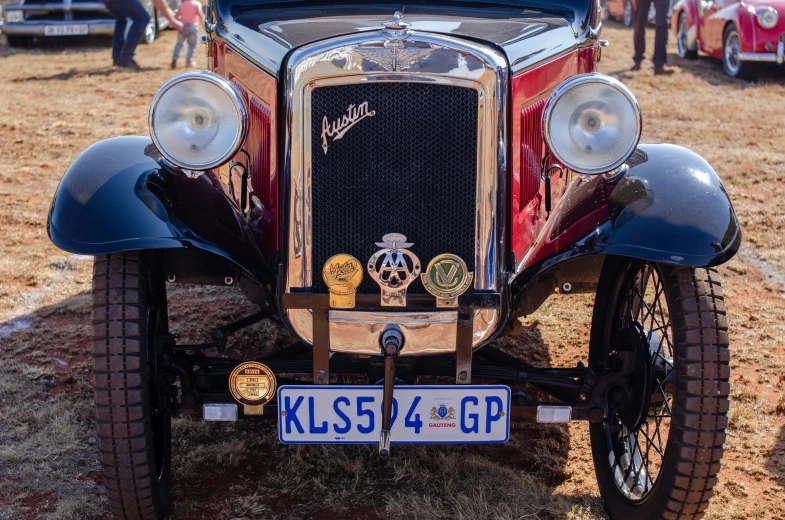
(411, 169)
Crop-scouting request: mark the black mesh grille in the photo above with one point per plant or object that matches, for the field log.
(410, 169)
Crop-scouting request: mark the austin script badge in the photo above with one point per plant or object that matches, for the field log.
(338, 128)
(394, 268)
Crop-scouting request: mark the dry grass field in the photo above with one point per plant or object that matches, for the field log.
(55, 100)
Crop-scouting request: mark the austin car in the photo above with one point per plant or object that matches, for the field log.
(399, 186)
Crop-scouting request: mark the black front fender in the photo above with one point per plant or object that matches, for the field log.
(116, 197)
(669, 207)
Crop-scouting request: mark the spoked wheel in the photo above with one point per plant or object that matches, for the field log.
(683, 38)
(629, 14)
(132, 399)
(731, 55)
(658, 451)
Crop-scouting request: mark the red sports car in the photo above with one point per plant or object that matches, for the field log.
(741, 34)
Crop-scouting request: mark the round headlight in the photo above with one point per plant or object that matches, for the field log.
(198, 120)
(592, 123)
(768, 17)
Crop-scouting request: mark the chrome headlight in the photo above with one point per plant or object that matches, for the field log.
(14, 16)
(768, 17)
(198, 120)
(592, 123)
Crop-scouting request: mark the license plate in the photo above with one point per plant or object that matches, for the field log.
(421, 414)
(66, 30)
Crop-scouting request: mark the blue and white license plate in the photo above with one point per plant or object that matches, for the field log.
(421, 414)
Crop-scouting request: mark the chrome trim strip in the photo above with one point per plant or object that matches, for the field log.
(451, 61)
(769, 57)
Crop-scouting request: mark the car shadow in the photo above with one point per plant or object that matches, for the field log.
(226, 470)
(57, 45)
(75, 73)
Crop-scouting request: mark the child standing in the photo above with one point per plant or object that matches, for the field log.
(191, 14)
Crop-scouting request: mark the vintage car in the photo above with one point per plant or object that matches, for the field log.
(624, 10)
(743, 35)
(398, 188)
(23, 20)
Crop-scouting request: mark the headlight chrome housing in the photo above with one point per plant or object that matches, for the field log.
(767, 17)
(592, 123)
(198, 120)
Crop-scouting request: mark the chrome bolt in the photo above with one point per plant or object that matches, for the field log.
(196, 368)
(463, 376)
(320, 375)
(582, 397)
(171, 278)
(228, 280)
(566, 287)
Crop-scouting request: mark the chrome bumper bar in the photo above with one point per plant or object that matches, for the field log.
(766, 57)
(94, 27)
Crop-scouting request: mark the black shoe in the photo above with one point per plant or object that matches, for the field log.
(636, 67)
(129, 64)
(660, 70)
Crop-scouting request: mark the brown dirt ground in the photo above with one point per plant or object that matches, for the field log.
(61, 96)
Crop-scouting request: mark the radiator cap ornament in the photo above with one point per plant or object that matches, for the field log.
(394, 268)
(252, 385)
(447, 277)
(343, 274)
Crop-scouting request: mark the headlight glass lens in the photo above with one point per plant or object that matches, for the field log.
(198, 121)
(14, 16)
(592, 123)
(768, 17)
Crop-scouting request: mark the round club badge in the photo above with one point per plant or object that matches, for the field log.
(447, 277)
(342, 273)
(253, 385)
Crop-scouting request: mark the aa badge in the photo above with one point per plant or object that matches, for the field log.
(252, 385)
(447, 278)
(394, 268)
(342, 274)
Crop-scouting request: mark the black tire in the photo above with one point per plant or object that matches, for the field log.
(133, 421)
(681, 39)
(151, 31)
(732, 66)
(691, 386)
(17, 41)
(628, 16)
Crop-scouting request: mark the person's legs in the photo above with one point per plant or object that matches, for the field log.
(193, 36)
(118, 38)
(181, 37)
(133, 10)
(661, 33)
(639, 37)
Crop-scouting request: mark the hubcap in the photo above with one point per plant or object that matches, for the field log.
(732, 51)
(682, 41)
(636, 442)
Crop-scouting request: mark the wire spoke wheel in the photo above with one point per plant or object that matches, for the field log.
(636, 451)
(657, 451)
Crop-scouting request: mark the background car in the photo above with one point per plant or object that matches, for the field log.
(741, 34)
(624, 10)
(24, 20)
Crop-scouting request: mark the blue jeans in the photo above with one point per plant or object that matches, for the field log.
(189, 32)
(124, 45)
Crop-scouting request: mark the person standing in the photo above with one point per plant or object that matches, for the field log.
(127, 37)
(660, 34)
(191, 14)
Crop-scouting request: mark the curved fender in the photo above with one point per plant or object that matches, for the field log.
(669, 207)
(116, 197)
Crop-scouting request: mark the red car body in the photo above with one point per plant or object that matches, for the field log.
(708, 24)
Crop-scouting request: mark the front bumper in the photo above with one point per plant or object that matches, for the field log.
(766, 57)
(36, 28)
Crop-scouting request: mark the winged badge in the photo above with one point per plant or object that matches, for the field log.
(394, 56)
